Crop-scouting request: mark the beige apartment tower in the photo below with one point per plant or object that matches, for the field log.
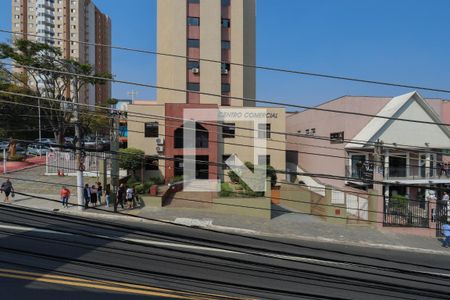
(63, 22)
(206, 32)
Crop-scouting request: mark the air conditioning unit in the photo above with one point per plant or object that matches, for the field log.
(195, 70)
(159, 149)
(160, 141)
(225, 71)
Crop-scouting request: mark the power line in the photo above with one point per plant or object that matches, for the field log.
(230, 97)
(395, 146)
(266, 68)
(268, 148)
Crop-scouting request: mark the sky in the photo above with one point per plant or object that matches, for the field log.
(401, 41)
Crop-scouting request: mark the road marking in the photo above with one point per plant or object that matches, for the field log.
(204, 248)
(24, 228)
(94, 286)
(95, 283)
(140, 241)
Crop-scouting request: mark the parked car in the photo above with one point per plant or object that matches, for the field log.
(46, 141)
(36, 149)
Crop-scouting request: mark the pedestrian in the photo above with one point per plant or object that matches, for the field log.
(87, 195)
(93, 195)
(108, 194)
(99, 193)
(446, 233)
(8, 189)
(65, 194)
(130, 197)
(120, 196)
(446, 198)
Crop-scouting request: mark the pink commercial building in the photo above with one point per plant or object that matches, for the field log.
(404, 163)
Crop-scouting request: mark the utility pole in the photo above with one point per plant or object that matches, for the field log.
(79, 160)
(40, 128)
(114, 136)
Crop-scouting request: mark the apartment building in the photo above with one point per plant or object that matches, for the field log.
(62, 23)
(208, 43)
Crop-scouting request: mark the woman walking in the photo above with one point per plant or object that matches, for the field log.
(108, 194)
(93, 195)
(99, 193)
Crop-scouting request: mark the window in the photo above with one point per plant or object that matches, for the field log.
(228, 130)
(226, 44)
(192, 64)
(224, 159)
(193, 87)
(193, 43)
(225, 2)
(313, 131)
(264, 160)
(264, 131)
(337, 137)
(226, 88)
(193, 1)
(225, 23)
(225, 67)
(151, 129)
(193, 21)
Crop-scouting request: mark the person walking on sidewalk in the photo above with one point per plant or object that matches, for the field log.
(65, 194)
(446, 233)
(93, 195)
(99, 193)
(120, 196)
(86, 195)
(8, 189)
(130, 197)
(108, 194)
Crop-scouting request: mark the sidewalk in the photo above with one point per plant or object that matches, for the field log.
(288, 225)
(13, 166)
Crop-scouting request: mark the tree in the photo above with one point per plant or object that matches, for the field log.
(55, 82)
(131, 159)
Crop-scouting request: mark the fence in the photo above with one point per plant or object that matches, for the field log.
(58, 162)
(405, 213)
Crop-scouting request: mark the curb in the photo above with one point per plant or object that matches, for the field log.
(208, 224)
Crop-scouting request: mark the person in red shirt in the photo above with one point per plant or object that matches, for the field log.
(65, 194)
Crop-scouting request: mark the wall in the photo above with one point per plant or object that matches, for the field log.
(314, 159)
(171, 38)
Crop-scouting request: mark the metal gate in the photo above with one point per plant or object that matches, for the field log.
(441, 216)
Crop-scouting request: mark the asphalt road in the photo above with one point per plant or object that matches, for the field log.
(51, 256)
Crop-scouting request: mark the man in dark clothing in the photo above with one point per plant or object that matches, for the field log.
(86, 195)
(120, 197)
(7, 188)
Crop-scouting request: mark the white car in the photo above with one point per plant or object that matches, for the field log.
(38, 149)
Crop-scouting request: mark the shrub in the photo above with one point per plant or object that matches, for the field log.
(176, 179)
(17, 158)
(226, 190)
(139, 188)
(234, 178)
(157, 180)
(131, 159)
(272, 174)
(398, 202)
